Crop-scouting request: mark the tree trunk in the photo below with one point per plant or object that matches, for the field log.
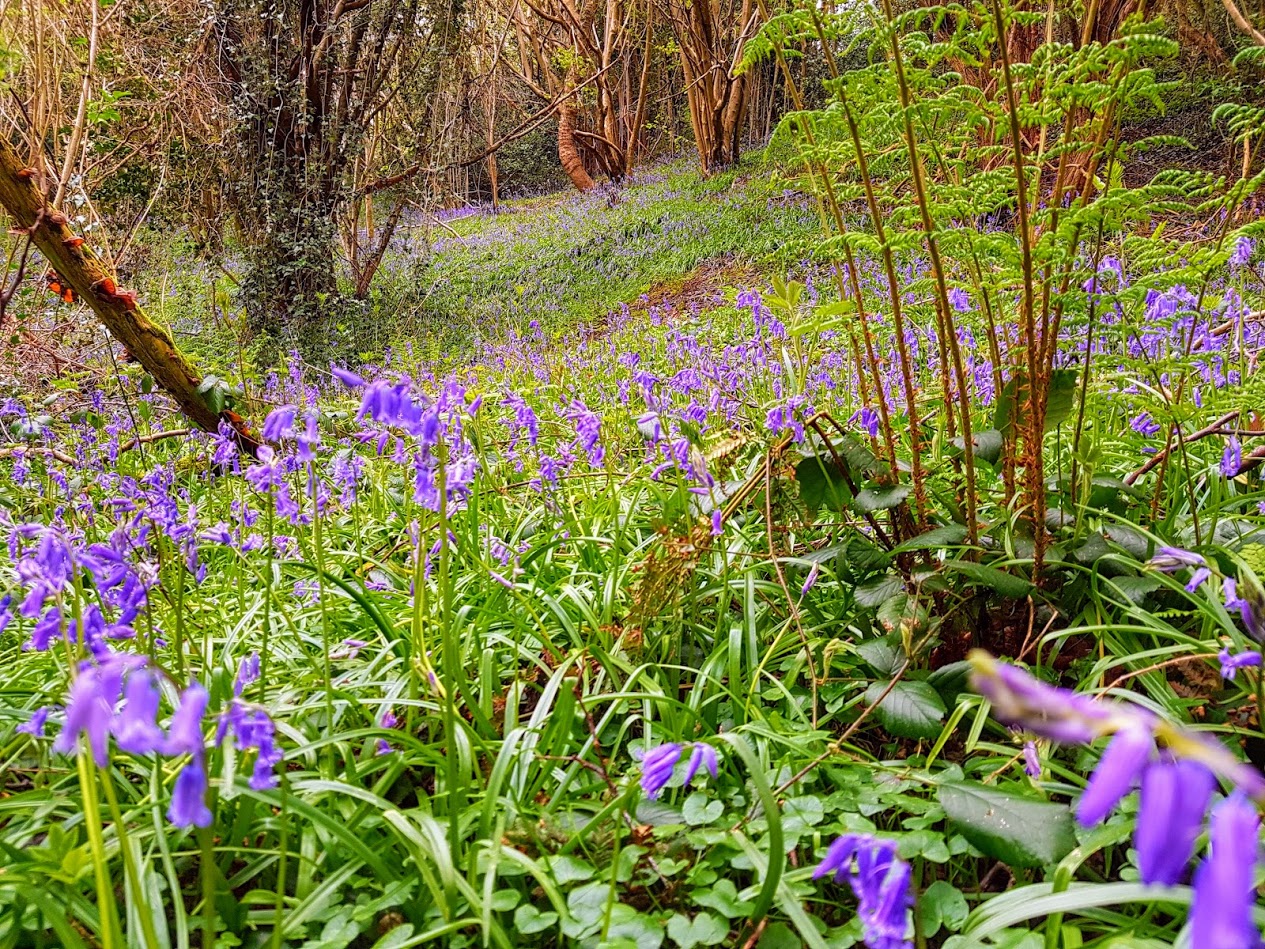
(92, 282)
(568, 151)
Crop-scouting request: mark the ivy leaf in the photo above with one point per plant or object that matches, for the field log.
(910, 710)
(1009, 827)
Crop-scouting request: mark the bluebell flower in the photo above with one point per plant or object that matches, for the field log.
(1172, 559)
(90, 710)
(1242, 253)
(279, 423)
(1171, 808)
(1232, 458)
(1031, 760)
(880, 880)
(346, 377)
(136, 727)
(247, 673)
(1119, 770)
(34, 726)
(703, 756)
(656, 768)
(811, 579)
(1230, 664)
(1197, 578)
(1143, 424)
(188, 798)
(959, 299)
(184, 736)
(1049, 712)
(1221, 913)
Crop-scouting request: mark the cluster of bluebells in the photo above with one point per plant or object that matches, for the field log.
(1177, 773)
(659, 764)
(881, 882)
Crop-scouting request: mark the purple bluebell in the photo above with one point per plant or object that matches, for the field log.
(1221, 912)
(868, 419)
(718, 522)
(703, 756)
(811, 580)
(1119, 770)
(1232, 663)
(34, 726)
(881, 882)
(1232, 458)
(1031, 760)
(1049, 712)
(188, 798)
(959, 299)
(247, 673)
(279, 423)
(1242, 252)
(1144, 425)
(184, 736)
(1172, 559)
(1197, 579)
(656, 768)
(136, 726)
(1171, 808)
(346, 377)
(90, 710)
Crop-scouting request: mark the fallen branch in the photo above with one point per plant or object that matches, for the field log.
(1159, 456)
(90, 279)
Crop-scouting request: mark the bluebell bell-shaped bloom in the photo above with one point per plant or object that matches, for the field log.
(1119, 770)
(1232, 458)
(188, 798)
(90, 710)
(34, 726)
(656, 767)
(1197, 579)
(247, 673)
(1172, 559)
(1031, 760)
(1021, 700)
(279, 423)
(703, 756)
(1231, 664)
(346, 377)
(185, 733)
(880, 880)
(811, 580)
(1171, 808)
(960, 300)
(1221, 913)
(1242, 252)
(136, 725)
(1144, 425)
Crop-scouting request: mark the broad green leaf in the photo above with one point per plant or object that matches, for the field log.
(528, 919)
(1010, 827)
(1000, 582)
(880, 498)
(910, 710)
(820, 485)
(875, 592)
(884, 656)
(950, 535)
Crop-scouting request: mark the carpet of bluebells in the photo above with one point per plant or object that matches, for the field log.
(558, 640)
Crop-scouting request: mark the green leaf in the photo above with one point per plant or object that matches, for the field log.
(950, 681)
(723, 898)
(882, 497)
(910, 710)
(1017, 830)
(985, 445)
(875, 592)
(528, 919)
(1012, 403)
(1000, 582)
(820, 485)
(950, 535)
(885, 656)
(942, 905)
(699, 810)
(703, 930)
